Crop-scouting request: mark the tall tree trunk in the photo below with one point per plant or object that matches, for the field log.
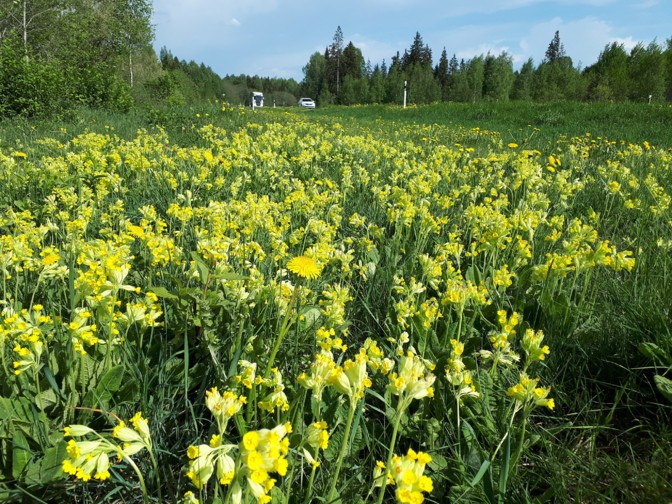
(25, 31)
(130, 65)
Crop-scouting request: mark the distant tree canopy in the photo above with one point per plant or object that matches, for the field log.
(55, 54)
(339, 75)
(59, 52)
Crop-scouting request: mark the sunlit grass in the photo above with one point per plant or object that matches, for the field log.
(298, 301)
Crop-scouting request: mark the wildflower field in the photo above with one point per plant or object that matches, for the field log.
(237, 307)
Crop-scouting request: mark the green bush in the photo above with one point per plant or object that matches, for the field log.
(29, 87)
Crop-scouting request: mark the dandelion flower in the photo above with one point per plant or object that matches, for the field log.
(305, 267)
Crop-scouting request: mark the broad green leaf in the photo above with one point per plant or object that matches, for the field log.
(664, 386)
(108, 383)
(46, 399)
(49, 467)
(21, 454)
(162, 292)
(52, 382)
(479, 475)
(654, 353)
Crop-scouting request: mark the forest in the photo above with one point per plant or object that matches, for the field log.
(341, 75)
(59, 54)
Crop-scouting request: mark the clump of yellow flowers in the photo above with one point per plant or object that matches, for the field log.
(90, 458)
(251, 462)
(528, 395)
(260, 454)
(406, 473)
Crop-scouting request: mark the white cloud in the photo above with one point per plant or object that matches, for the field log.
(628, 42)
(583, 39)
(646, 5)
(234, 22)
(491, 6)
(376, 50)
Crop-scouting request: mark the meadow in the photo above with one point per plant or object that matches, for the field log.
(371, 304)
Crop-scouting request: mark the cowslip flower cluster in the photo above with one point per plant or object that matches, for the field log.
(532, 345)
(352, 378)
(248, 374)
(263, 452)
(260, 454)
(406, 472)
(27, 330)
(223, 406)
(528, 395)
(276, 397)
(458, 375)
(317, 438)
(501, 341)
(327, 340)
(320, 373)
(377, 361)
(205, 460)
(412, 381)
(91, 457)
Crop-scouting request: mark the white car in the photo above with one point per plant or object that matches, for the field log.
(307, 103)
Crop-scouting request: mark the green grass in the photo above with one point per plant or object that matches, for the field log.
(527, 122)
(610, 438)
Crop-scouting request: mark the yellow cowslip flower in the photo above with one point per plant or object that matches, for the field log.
(317, 436)
(190, 498)
(305, 267)
(223, 406)
(251, 440)
(326, 340)
(320, 373)
(457, 374)
(90, 458)
(276, 398)
(407, 474)
(206, 460)
(262, 453)
(528, 395)
(532, 345)
(248, 373)
(375, 355)
(141, 426)
(412, 381)
(351, 379)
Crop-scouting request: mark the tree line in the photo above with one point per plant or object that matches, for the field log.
(59, 54)
(340, 75)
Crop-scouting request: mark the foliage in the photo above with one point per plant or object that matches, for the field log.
(302, 303)
(30, 88)
(617, 75)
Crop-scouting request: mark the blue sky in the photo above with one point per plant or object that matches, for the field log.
(276, 37)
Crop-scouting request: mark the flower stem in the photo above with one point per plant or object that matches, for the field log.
(283, 330)
(390, 454)
(141, 480)
(310, 483)
(344, 446)
(156, 472)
